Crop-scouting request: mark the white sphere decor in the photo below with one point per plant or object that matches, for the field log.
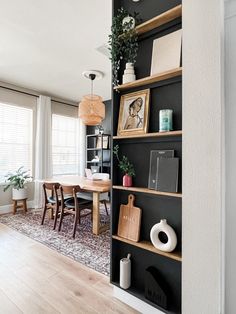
(171, 243)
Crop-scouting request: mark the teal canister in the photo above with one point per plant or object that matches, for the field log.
(166, 120)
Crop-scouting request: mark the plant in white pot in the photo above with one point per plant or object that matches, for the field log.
(123, 45)
(17, 181)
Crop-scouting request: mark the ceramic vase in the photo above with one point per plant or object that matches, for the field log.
(129, 75)
(171, 243)
(20, 194)
(125, 272)
(128, 23)
(127, 180)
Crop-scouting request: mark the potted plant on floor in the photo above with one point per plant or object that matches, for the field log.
(125, 166)
(17, 181)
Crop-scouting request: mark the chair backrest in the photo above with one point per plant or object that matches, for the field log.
(102, 176)
(52, 187)
(69, 190)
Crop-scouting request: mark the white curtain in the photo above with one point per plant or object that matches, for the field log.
(43, 149)
(82, 148)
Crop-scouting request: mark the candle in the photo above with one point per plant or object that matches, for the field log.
(166, 120)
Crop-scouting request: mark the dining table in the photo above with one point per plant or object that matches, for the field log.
(87, 185)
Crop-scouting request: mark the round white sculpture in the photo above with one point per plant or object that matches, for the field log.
(162, 226)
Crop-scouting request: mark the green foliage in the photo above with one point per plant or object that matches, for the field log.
(18, 179)
(125, 166)
(123, 42)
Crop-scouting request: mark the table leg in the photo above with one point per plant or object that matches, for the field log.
(96, 212)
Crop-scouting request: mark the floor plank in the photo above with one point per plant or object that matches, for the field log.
(36, 279)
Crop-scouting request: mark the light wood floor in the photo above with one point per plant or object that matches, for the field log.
(35, 279)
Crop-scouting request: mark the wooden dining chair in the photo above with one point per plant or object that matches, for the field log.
(51, 200)
(74, 205)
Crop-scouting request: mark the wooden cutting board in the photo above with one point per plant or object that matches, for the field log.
(129, 220)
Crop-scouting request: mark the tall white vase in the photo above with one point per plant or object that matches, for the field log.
(125, 272)
(129, 75)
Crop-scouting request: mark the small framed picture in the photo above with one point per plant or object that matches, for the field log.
(105, 142)
(134, 113)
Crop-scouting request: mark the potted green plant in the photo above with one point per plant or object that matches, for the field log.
(17, 181)
(125, 166)
(123, 44)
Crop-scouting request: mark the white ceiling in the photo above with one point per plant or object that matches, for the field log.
(45, 45)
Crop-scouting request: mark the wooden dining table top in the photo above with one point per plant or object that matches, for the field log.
(84, 183)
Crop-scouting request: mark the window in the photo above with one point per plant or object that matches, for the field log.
(65, 150)
(16, 132)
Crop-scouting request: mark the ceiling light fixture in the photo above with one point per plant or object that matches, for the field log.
(91, 108)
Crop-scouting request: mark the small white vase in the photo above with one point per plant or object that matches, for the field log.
(162, 226)
(19, 194)
(129, 75)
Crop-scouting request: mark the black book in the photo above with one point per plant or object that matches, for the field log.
(154, 154)
(167, 174)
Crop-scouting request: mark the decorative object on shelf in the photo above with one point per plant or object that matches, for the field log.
(125, 272)
(17, 181)
(125, 166)
(91, 108)
(105, 142)
(99, 129)
(154, 154)
(95, 159)
(129, 220)
(129, 75)
(165, 120)
(123, 41)
(156, 289)
(128, 23)
(166, 52)
(134, 113)
(167, 174)
(127, 180)
(169, 244)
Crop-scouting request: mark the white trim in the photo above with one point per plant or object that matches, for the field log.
(224, 6)
(6, 209)
(134, 302)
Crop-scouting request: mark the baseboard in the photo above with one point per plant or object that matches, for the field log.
(134, 302)
(6, 209)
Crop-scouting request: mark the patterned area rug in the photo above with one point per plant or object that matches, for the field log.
(88, 249)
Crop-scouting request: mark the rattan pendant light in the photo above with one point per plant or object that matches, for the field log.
(91, 108)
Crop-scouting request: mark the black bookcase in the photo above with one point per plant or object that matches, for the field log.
(104, 153)
(165, 93)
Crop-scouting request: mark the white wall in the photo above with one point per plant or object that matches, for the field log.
(202, 156)
(230, 118)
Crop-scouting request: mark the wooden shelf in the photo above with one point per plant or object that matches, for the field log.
(146, 245)
(145, 190)
(151, 79)
(146, 135)
(159, 20)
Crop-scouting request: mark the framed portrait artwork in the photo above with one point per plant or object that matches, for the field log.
(134, 113)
